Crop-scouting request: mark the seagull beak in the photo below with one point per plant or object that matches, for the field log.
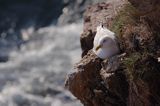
(98, 47)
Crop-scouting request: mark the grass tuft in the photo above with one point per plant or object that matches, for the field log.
(129, 64)
(127, 15)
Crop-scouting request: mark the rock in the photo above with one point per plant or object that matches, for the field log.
(123, 80)
(83, 83)
(94, 87)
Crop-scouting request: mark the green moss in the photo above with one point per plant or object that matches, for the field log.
(130, 61)
(126, 16)
(129, 64)
(136, 66)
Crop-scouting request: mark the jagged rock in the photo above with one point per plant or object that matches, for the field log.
(83, 83)
(123, 80)
(88, 86)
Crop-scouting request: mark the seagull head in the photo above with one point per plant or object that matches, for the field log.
(105, 43)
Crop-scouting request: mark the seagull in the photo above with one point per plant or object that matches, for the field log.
(105, 43)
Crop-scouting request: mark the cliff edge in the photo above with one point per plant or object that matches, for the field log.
(131, 78)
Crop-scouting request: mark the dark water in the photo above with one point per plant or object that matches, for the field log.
(39, 43)
(16, 15)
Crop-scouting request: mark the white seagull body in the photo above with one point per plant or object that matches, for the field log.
(105, 43)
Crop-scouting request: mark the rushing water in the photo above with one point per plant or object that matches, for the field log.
(35, 74)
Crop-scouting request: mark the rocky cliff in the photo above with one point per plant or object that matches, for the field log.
(130, 78)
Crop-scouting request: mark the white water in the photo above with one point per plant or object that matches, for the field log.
(34, 75)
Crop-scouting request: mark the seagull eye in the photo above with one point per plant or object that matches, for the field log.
(104, 40)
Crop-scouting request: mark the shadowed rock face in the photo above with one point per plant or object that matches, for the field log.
(130, 78)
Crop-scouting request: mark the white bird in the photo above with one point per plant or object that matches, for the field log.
(105, 43)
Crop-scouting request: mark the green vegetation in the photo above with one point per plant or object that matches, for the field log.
(129, 64)
(136, 63)
(126, 16)
(137, 66)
